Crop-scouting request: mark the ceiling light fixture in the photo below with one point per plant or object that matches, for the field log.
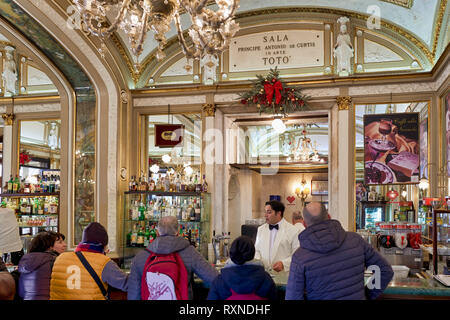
(210, 31)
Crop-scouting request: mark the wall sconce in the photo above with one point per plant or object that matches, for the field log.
(302, 191)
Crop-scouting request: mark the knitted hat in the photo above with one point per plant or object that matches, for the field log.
(242, 250)
(95, 233)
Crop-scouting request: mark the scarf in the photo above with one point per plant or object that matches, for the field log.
(90, 247)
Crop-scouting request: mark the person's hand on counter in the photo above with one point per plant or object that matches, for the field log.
(278, 266)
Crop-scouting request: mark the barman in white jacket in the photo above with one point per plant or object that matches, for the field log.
(277, 239)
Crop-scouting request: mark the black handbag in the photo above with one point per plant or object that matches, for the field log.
(93, 274)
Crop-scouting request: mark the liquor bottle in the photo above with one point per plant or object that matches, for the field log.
(57, 184)
(179, 210)
(197, 211)
(152, 234)
(167, 184)
(134, 236)
(10, 185)
(41, 206)
(129, 239)
(139, 185)
(158, 186)
(130, 184)
(198, 186)
(44, 184)
(140, 238)
(146, 237)
(4, 203)
(152, 185)
(204, 185)
(141, 210)
(178, 183)
(191, 212)
(16, 185)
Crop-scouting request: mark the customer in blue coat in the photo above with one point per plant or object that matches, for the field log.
(242, 278)
(330, 263)
(35, 268)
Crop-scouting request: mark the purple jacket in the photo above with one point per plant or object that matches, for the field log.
(35, 272)
(330, 265)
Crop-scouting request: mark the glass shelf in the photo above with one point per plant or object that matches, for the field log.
(36, 194)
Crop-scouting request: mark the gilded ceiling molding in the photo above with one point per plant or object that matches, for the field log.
(344, 102)
(262, 12)
(209, 110)
(403, 3)
(437, 28)
(422, 46)
(135, 74)
(8, 118)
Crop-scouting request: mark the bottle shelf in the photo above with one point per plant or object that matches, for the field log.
(168, 193)
(36, 194)
(38, 215)
(156, 220)
(38, 226)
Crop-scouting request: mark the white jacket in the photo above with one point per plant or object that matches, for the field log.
(285, 244)
(9, 232)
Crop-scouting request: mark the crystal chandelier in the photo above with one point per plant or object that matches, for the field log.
(210, 31)
(304, 151)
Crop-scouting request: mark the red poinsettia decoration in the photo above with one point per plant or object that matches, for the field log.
(24, 158)
(270, 95)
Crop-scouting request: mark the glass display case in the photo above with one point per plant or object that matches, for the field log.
(35, 212)
(143, 209)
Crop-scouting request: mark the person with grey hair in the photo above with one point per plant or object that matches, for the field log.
(330, 263)
(167, 242)
(297, 220)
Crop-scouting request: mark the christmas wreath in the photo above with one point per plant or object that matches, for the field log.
(24, 158)
(270, 95)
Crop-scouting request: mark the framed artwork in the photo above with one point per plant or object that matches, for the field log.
(319, 188)
(391, 148)
(168, 135)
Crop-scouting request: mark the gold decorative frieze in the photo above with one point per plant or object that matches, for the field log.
(344, 102)
(404, 3)
(209, 110)
(8, 118)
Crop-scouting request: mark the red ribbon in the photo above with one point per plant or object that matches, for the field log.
(270, 89)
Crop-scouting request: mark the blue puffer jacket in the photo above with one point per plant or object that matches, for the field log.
(330, 265)
(243, 279)
(35, 272)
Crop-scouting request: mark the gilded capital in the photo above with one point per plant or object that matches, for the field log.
(8, 118)
(209, 110)
(344, 103)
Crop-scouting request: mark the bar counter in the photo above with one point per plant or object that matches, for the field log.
(411, 288)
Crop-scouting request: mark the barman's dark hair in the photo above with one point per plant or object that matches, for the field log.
(276, 206)
(43, 241)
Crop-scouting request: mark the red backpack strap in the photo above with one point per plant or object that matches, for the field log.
(182, 285)
(144, 288)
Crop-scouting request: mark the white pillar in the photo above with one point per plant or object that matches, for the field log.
(346, 163)
(7, 152)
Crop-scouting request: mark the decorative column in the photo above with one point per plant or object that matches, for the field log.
(346, 162)
(7, 144)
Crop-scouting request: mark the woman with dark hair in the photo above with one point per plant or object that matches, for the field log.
(36, 267)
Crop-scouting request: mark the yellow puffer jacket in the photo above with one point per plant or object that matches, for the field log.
(71, 281)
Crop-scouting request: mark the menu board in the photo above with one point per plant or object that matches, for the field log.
(391, 148)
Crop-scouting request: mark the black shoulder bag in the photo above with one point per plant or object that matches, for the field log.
(93, 274)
